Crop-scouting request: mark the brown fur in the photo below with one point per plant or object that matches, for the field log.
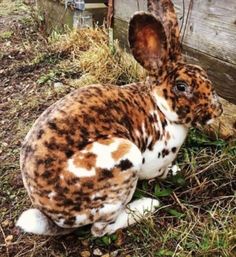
(121, 151)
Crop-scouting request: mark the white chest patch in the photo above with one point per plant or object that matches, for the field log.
(163, 153)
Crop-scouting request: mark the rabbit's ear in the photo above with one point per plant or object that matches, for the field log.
(165, 11)
(148, 41)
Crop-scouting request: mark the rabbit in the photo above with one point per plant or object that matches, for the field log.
(82, 158)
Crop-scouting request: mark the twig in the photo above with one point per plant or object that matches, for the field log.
(178, 201)
(206, 168)
(4, 237)
(185, 236)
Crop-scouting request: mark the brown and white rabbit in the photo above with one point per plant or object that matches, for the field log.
(83, 157)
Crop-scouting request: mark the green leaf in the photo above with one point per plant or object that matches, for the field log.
(113, 237)
(138, 194)
(106, 240)
(160, 192)
(164, 252)
(178, 180)
(145, 186)
(175, 213)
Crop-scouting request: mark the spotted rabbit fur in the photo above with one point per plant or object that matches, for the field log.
(82, 158)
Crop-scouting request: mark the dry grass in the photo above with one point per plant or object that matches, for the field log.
(197, 216)
(91, 56)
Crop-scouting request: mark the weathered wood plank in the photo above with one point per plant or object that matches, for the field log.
(220, 72)
(124, 9)
(56, 16)
(211, 27)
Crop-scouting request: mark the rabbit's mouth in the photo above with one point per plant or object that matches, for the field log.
(205, 118)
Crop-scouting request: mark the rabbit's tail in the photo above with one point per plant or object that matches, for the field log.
(35, 222)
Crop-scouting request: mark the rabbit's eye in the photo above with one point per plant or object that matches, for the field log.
(181, 86)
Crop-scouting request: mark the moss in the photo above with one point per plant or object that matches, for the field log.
(6, 34)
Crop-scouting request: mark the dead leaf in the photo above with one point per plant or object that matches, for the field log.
(85, 254)
(8, 239)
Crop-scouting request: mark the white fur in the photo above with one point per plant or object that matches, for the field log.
(92, 197)
(105, 160)
(81, 219)
(153, 165)
(78, 171)
(134, 212)
(164, 107)
(110, 207)
(175, 169)
(107, 208)
(103, 152)
(51, 195)
(144, 132)
(159, 124)
(210, 121)
(33, 221)
(61, 223)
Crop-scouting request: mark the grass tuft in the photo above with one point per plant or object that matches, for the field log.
(92, 57)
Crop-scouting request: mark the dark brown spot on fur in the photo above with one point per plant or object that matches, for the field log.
(88, 184)
(81, 145)
(105, 174)
(188, 119)
(125, 164)
(174, 149)
(165, 152)
(40, 133)
(47, 174)
(234, 125)
(67, 202)
(69, 153)
(101, 198)
(69, 221)
(165, 93)
(183, 111)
